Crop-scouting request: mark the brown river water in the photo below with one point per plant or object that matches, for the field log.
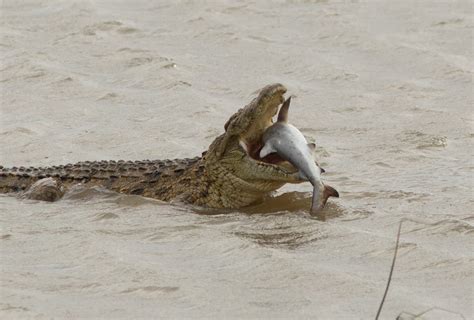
(384, 89)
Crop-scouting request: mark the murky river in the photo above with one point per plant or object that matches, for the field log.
(384, 89)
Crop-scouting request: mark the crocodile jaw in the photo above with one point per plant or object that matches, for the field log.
(245, 128)
(232, 162)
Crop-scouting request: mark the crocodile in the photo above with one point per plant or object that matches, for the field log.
(230, 174)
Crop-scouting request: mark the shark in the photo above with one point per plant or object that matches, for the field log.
(290, 144)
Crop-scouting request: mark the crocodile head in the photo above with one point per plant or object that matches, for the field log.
(232, 159)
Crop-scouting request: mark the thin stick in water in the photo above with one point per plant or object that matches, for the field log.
(391, 271)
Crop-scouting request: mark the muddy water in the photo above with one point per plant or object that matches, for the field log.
(385, 90)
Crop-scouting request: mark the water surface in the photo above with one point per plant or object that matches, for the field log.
(385, 91)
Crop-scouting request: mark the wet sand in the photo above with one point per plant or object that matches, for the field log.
(385, 91)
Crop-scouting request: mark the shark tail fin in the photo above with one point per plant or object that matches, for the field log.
(329, 192)
(318, 204)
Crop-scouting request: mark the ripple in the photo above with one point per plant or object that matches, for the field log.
(151, 289)
(434, 142)
(409, 196)
(17, 130)
(282, 230)
(6, 306)
(383, 164)
(92, 30)
(290, 240)
(289, 202)
(356, 214)
(404, 247)
(422, 140)
(127, 30)
(432, 313)
(260, 39)
(448, 22)
(105, 216)
(108, 96)
(138, 61)
(445, 227)
(81, 192)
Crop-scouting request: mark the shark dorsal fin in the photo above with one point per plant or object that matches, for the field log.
(283, 114)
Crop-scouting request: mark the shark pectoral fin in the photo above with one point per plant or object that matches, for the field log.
(320, 168)
(283, 114)
(312, 150)
(266, 150)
